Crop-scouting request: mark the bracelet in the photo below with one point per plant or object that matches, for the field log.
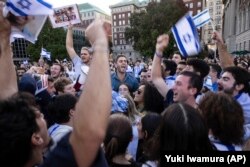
(158, 55)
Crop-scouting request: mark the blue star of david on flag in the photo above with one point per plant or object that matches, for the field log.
(186, 36)
(25, 4)
(29, 7)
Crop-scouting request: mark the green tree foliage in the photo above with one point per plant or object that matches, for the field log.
(147, 26)
(51, 39)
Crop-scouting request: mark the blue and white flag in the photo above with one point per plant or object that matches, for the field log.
(45, 54)
(202, 18)
(29, 7)
(186, 36)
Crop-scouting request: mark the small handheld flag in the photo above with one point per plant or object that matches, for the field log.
(29, 7)
(45, 54)
(186, 36)
(201, 18)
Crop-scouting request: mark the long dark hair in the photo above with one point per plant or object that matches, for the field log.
(118, 136)
(153, 100)
(182, 129)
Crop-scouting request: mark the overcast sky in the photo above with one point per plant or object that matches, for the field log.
(102, 4)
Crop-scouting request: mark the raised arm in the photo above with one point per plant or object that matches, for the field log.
(8, 80)
(93, 108)
(69, 42)
(162, 43)
(225, 58)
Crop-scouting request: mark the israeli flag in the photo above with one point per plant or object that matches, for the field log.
(186, 36)
(201, 18)
(45, 54)
(29, 7)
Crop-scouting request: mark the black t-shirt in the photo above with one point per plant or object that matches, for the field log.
(169, 98)
(63, 156)
(133, 164)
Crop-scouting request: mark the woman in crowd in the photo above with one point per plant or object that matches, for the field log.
(182, 129)
(146, 128)
(224, 118)
(118, 136)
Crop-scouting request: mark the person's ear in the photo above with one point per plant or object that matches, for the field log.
(239, 87)
(36, 139)
(193, 91)
(71, 112)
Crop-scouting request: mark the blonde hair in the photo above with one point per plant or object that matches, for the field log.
(132, 111)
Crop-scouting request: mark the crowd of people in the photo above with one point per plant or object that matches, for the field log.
(95, 110)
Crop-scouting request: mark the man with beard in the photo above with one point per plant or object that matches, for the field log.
(24, 133)
(56, 70)
(121, 76)
(235, 82)
(81, 62)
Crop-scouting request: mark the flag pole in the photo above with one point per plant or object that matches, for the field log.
(213, 27)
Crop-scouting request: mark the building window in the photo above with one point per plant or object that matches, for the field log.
(123, 22)
(198, 11)
(114, 29)
(199, 4)
(115, 42)
(123, 15)
(115, 36)
(119, 16)
(124, 42)
(120, 41)
(114, 23)
(120, 22)
(114, 17)
(191, 5)
(186, 5)
(124, 47)
(129, 14)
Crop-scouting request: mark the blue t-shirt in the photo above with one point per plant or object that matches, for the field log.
(129, 79)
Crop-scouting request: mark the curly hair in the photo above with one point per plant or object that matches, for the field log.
(224, 116)
(60, 83)
(241, 76)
